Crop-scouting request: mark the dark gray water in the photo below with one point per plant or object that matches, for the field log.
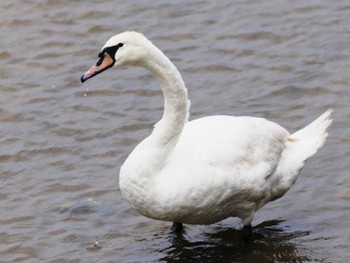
(62, 143)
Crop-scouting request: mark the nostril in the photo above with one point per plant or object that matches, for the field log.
(99, 62)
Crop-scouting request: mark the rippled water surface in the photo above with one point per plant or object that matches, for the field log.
(62, 143)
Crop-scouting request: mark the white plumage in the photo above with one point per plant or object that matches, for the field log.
(206, 170)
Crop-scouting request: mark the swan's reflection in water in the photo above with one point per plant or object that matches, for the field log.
(270, 244)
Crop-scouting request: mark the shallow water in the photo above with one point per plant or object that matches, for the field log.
(62, 143)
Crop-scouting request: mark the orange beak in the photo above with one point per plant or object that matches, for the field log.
(103, 63)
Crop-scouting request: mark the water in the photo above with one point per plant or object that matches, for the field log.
(61, 143)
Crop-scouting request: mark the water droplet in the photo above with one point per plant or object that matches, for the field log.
(86, 93)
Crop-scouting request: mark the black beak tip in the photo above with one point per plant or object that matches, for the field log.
(82, 79)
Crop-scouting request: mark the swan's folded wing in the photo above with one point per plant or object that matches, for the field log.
(226, 150)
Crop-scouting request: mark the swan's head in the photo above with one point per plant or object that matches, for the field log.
(125, 49)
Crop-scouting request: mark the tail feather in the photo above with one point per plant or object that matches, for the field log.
(300, 146)
(313, 136)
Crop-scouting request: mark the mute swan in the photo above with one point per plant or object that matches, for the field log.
(205, 170)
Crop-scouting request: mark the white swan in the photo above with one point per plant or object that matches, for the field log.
(205, 170)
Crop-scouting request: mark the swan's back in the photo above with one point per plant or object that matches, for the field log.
(233, 144)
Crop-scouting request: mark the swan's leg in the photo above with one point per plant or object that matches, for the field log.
(247, 229)
(176, 227)
(247, 232)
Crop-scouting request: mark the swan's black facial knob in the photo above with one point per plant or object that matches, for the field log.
(111, 50)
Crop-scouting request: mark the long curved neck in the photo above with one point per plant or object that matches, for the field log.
(176, 104)
(150, 156)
